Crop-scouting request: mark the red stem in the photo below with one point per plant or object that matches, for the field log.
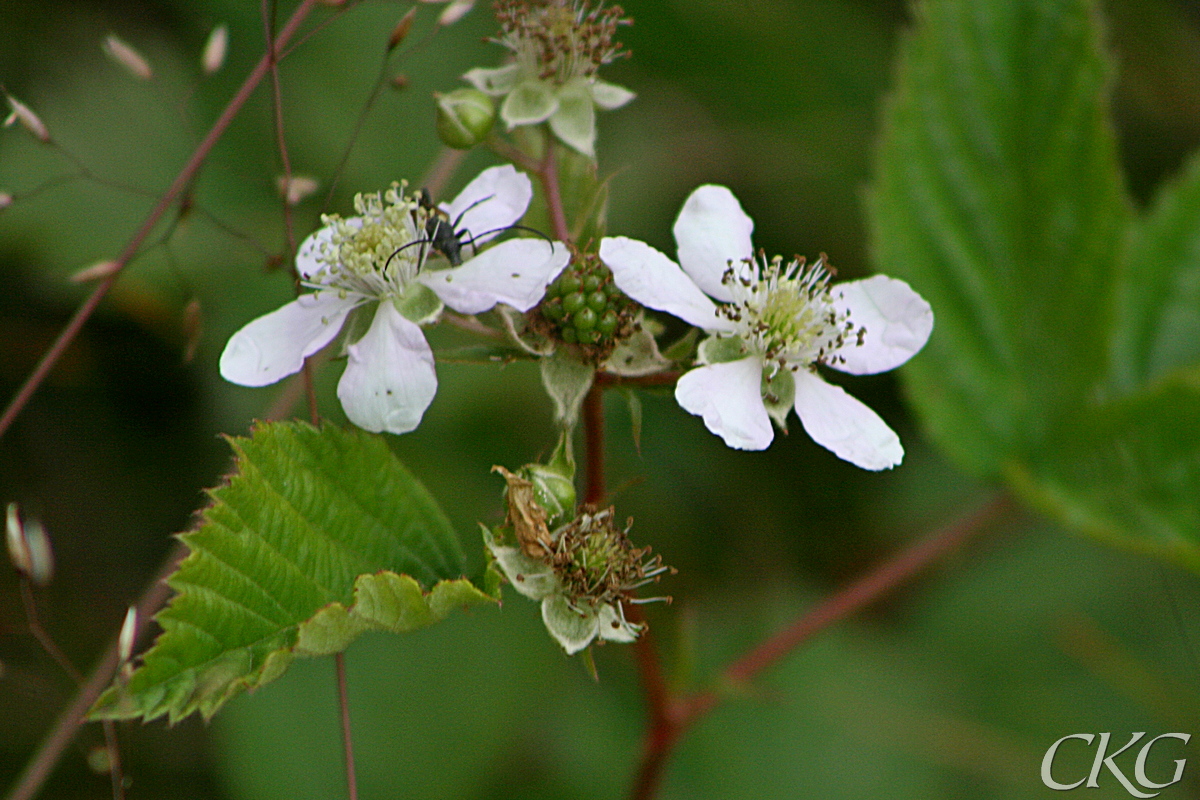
(593, 430)
(680, 714)
(177, 187)
(339, 661)
(71, 718)
(554, 205)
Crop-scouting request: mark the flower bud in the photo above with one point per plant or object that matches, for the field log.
(127, 635)
(296, 188)
(454, 11)
(18, 548)
(400, 32)
(29, 120)
(553, 491)
(127, 57)
(214, 50)
(29, 547)
(101, 269)
(464, 117)
(6, 200)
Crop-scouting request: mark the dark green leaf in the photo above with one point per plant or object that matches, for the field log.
(1158, 310)
(1129, 473)
(999, 199)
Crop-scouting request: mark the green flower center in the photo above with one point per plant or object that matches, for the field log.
(378, 253)
(784, 312)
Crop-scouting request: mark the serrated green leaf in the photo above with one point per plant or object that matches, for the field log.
(1158, 308)
(384, 601)
(1129, 473)
(999, 199)
(306, 513)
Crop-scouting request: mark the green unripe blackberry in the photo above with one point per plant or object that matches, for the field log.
(597, 301)
(573, 302)
(585, 319)
(584, 307)
(567, 283)
(607, 325)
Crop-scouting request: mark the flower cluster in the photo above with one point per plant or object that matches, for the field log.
(557, 46)
(771, 323)
(387, 257)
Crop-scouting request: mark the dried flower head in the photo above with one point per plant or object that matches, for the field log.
(560, 40)
(583, 571)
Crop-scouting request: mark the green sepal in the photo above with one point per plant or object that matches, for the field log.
(529, 103)
(567, 381)
(419, 304)
(720, 349)
(384, 601)
(494, 82)
(574, 121)
(610, 96)
(779, 396)
(637, 354)
(571, 628)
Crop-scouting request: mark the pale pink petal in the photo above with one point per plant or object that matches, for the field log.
(657, 282)
(389, 380)
(898, 322)
(496, 199)
(713, 233)
(838, 422)
(729, 398)
(515, 272)
(276, 344)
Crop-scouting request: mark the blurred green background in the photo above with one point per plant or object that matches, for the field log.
(951, 688)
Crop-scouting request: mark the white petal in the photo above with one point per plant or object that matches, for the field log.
(496, 199)
(276, 344)
(712, 232)
(494, 82)
(609, 96)
(838, 422)
(389, 380)
(897, 319)
(657, 282)
(515, 272)
(729, 398)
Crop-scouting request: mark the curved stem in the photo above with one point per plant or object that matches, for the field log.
(176, 189)
(679, 714)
